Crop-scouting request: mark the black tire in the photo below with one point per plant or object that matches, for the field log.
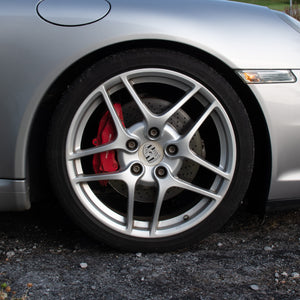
(211, 175)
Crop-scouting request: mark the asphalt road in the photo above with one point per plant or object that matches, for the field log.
(251, 258)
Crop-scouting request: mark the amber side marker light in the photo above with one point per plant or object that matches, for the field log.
(267, 76)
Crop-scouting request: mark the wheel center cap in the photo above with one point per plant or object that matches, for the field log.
(151, 153)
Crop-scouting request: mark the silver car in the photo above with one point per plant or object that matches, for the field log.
(151, 120)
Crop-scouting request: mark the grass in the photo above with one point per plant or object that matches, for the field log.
(273, 4)
(282, 5)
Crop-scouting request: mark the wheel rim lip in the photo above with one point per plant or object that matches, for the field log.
(116, 221)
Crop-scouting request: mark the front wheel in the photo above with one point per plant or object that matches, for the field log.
(150, 150)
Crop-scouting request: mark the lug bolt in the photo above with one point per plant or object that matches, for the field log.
(131, 144)
(136, 169)
(172, 149)
(154, 132)
(161, 172)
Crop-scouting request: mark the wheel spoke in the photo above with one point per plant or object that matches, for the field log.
(99, 177)
(172, 181)
(158, 205)
(186, 152)
(98, 149)
(166, 116)
(154, 119)
(124, 175)
(130, 204)
(198, 124)
(148, 115)
(204, 163)
(118, 124)
(169, 181)
(120, 140)
(191, 187)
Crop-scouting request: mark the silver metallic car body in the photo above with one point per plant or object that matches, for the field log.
(34, 53)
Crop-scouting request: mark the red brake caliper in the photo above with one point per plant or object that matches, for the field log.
(106, 161)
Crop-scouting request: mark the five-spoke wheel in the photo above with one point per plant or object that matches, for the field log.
(175, 157)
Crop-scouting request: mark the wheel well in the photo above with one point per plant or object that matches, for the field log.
(259, 186)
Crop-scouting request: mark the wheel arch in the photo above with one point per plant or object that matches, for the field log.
(259, 186)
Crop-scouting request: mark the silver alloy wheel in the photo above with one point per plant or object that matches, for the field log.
(163, 172)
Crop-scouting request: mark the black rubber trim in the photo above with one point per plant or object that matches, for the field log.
(282, 204)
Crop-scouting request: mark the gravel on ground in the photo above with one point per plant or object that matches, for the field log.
(250, 258)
